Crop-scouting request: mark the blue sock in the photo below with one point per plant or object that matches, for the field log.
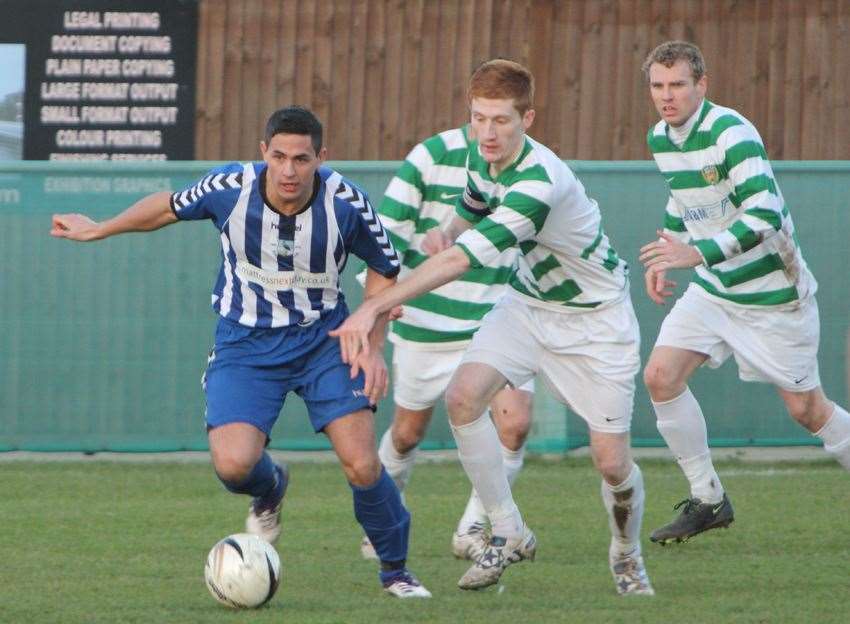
(263, 481)
(386, 522)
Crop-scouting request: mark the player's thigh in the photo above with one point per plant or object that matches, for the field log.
(778, 346)
(353, 439)
(420, 377)
(509, 340)
(327, 388)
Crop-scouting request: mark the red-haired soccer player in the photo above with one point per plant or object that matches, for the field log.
(567, 316)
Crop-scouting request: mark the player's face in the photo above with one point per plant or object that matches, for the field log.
(292, 163)
(499, 129)
(674, 92)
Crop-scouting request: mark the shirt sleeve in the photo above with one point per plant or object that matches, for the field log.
(196, 201)
(755, 192)
(518, 218)
(399, 208)
(370, 241)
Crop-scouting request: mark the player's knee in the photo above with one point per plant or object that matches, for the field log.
(232, 467)
(661, 381)
(512, 434)
(362, 471)
(407, 438)
(809, 412)
(614, 468)
(460, 405)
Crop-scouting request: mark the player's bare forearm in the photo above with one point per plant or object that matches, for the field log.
(437, 240)
(435, 271)
(375, 284)
(147, 214)
(354, 333)
(456, 227)
(669, 253)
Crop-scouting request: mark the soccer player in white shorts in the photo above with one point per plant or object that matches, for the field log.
(435, 329)
(567, 316)
(752, 297)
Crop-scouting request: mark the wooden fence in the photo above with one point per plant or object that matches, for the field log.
(384, 74)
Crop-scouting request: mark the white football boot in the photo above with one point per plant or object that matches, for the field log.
(264, 515)
(471, 542)
(630, 576)
(499, 553)
(405, 585)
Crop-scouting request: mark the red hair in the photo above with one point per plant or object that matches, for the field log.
(501, 79)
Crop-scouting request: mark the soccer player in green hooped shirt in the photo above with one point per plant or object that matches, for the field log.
(566, 316)
(752, 296)
(436, 328)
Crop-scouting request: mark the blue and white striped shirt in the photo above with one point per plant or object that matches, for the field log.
(282, 270)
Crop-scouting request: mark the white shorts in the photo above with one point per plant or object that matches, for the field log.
(778, 346)
(588, 359)
(420, 378)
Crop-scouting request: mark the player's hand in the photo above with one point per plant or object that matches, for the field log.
(396, 313)
(658, 287)
(353, 335)
(435, 241)
(376, 376)
(669, 253)
(74, 226)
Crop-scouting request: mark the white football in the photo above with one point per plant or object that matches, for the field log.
(242, 571)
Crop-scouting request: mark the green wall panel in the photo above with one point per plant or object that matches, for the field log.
(102, 345)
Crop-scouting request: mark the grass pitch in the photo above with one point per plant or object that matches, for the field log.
(115, 542)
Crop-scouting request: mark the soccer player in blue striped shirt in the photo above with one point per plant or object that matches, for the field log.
(287, 226)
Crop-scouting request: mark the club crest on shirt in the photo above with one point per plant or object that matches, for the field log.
(710, 174)
(285, 247)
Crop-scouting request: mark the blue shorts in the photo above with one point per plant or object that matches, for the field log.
(251, 370)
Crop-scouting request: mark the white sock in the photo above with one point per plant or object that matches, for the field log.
(682, 425)
(479, 450)
(399, 465)
(624, 504)
(474, 512)
(836, 436)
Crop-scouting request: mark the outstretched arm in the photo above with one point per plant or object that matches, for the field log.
(354, 333)
(437, 240)
(372, 362)
(147, 214)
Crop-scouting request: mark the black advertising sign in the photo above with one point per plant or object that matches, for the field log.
(102, 79)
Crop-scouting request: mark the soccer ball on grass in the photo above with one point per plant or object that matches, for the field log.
(242, 571)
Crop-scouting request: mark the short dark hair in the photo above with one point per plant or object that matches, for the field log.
(671, 51)
(295, 120)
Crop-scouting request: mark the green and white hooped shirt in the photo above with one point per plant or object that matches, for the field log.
(566, 261)
(724, 197)
(421, 196)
